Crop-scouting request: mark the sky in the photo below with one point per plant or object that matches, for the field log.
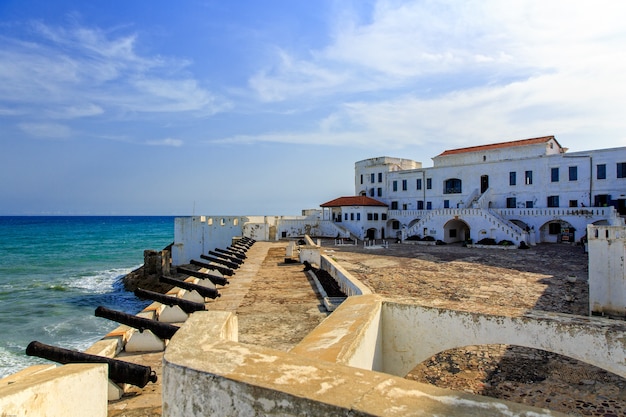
(263, 107)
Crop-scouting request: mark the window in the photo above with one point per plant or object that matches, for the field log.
(601, 171)
(446, 203)
(511, 202)
(380, 177)
(553, 201)
(420, 204)
(395, 225)
(352, 216)
(372, 192)
(394, 205)
(404, 185)
(380, 192)
(383, 216)
(361, 178)
(404, 206)
(346, 216)
(528, 177)
(621, 170)
(573, 173)
(554, 175)
(375, 216)
(419, 183)
(573, 203)
(372, 177)
(512, 178)
(369, 216)
(395, 186)
(429, 183)
(452, 186)
(529, 204)
(429, 205)
(358, 217)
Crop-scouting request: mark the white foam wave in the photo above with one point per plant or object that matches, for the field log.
(100, 282)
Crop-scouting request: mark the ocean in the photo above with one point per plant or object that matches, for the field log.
(55, 271)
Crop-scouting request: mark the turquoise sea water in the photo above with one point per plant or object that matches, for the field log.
(55, 271)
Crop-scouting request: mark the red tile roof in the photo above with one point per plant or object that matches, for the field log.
(359, 200)
(522, 142)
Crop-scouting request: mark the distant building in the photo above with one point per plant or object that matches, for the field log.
(528, 190)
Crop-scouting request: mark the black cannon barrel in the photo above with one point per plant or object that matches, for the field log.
(237, 251)
(205, 292)
(202, 275)
(234, 253)
(229, 258)
(221, 269)
(161, 330)
(242, 244)
(120, 372)
(220, 261)
(247, 241)
(185, 305)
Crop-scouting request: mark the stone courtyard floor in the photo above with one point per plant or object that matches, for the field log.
(506, 282)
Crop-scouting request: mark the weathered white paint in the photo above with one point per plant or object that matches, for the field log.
(194, 236)
(172, 314)
(68, 390)
(145, 341)
(607, 270)
(597, 341)
(206, 374)
(347, 283)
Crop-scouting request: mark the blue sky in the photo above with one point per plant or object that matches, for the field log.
(248, 107)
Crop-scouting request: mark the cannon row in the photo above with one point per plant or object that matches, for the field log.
(122, 372)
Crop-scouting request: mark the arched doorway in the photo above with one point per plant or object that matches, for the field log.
(557, 231)
(370, 234)
(456, 231)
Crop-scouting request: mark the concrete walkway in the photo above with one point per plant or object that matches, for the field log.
(276, 305)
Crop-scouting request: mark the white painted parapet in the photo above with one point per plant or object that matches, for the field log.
(348, 284)
(607, 270)
(205, 373)
(68, 390)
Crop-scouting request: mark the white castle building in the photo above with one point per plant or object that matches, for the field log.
(528, 191)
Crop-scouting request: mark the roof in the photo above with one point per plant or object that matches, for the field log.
(522, 142)
(359, 200)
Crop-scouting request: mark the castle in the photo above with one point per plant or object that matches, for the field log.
(528, 191)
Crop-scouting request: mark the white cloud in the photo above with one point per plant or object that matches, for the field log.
(165, 142)
(81, 71)
(462, 72)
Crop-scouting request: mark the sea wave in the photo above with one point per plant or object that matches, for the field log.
(99, 282)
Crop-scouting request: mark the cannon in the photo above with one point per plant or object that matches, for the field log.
(213, 278)
(222, 270)
(242, 245)
(185, 305)
(120, 372)
(205, 292)
(231, 253)
(229, 258)
(160, 330)
(220, 261)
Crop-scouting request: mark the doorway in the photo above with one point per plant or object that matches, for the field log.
(484, 183)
